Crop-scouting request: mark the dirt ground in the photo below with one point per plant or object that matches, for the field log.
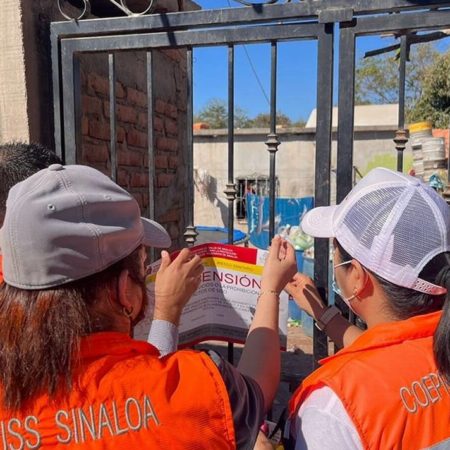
(296, 364)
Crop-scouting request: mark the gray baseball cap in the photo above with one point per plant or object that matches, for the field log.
(65, 223)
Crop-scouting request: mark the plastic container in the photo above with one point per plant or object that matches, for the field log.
(418, 132)
(433, 149)
(419, 128)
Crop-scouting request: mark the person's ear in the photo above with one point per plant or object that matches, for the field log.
(122, 290)
(361, 279)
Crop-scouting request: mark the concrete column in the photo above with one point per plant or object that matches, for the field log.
(14, 123)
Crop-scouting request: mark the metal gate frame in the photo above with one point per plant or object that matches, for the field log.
(310, 19)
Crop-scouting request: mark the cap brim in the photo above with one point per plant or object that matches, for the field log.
(319, 222)
(155, 234)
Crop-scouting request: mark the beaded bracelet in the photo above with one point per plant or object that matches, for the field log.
(277, 294)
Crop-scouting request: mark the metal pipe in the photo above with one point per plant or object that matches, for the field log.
(112, 114)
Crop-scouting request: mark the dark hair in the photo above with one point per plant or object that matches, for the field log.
(40, 331)
(405, 303)
(18, 161)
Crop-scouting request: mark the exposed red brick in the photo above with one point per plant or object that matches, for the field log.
(173, 54)
(173, 162)
(83, 78)
(174, 215)
(120, 91)
(139, 179)
(137, 138)
(166, 144)
(158, 124)
(91, 105)
(126, 114)
(145, 159)
(99, 130)
(174, 231)
(123, 177)
(161, 162)
(126, 157)
(136, 97)
(138, 197)
(95, 153)
(84, 126)
(171, 110)
(120, 134)
(145, 199)
(164, 179)
(142, 120)
(171, 127)
(160, 106)
(106, 109)
(98, 83)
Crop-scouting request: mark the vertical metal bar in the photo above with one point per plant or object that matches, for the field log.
(230, 190)
(345, 174)
(190, 234)
(151, 143)
(72, 106)
(401, 96)
(57, 94)
(346, 100)
(112, 114)
(272, 138)
(401, 85)
(323, 163)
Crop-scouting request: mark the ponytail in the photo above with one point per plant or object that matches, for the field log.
(442, 335)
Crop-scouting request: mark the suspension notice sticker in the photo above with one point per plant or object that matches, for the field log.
(223, 306)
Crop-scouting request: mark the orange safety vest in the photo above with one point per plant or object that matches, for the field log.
(389, 385)
(125, 397)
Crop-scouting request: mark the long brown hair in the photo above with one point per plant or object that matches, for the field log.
(40, 331)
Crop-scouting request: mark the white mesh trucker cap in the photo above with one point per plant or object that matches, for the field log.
(392, 223)
(68, 222)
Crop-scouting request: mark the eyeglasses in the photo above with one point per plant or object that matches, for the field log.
(334, 286)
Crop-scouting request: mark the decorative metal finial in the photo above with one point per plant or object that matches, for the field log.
(84, 13)
(190, 235)
(400, 140)
(121, 4)
(230, 192)
(272, 143)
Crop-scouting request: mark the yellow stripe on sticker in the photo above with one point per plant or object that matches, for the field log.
(222, 263)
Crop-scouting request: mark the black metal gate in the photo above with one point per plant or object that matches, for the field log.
(318, 20)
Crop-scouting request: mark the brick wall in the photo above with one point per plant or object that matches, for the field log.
(132, 137)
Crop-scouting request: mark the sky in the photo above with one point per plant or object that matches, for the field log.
(296, 74)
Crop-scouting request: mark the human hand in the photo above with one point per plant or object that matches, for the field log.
(280, 265)
(263, 442)
(305, 294)
(175, 283)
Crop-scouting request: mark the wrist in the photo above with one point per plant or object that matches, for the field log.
(169, 314)
(269, 293)
(326, 317)
(317, 309)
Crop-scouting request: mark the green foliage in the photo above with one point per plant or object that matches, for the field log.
(434, 104)
(388, 160)
(262, 120)
(427, 89)
(377, 78)
(215, 113)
